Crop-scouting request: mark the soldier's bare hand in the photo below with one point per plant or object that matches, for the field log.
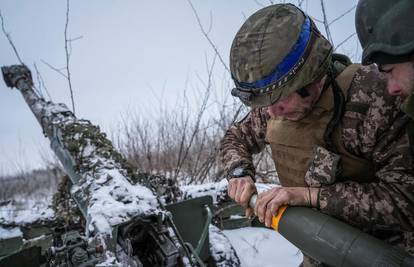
(240, 190)
(269, 202)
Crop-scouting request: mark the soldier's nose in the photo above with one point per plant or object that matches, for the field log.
(275, 110)
(393, 88)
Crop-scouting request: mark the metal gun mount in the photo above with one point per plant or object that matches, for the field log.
(75, 251)
(126, 224)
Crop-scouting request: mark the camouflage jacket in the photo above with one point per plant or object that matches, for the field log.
(374, 130)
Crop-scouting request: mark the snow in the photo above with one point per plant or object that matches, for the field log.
(111, 198)
(88, 150)
(254, 246)
(110, 260)
(221, 249)
(52, 108)
(6, 233)
(114, 200)
(26, 210)
(215, 190)
(263, 247)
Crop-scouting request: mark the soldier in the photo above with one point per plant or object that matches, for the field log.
(386, 31)
(337, 137)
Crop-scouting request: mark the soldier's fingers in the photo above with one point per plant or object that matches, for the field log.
(265, 196)
(268, 215)
(282, 198)
(249, 212)
(243, 184)
(262, 200)
(247, 192)
(238, 193)
(232, 188)
(274, 208)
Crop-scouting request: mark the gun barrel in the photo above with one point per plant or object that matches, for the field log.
(101, 180)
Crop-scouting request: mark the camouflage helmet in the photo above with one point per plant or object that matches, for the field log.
(386, 30)
(277, 51)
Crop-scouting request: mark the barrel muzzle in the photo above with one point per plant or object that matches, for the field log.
(13, 74)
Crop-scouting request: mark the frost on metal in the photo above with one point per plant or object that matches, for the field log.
(102, 180)
(6, 233)
(218, 191)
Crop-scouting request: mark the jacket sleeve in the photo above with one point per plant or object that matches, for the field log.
(379, 134)
(242, 140)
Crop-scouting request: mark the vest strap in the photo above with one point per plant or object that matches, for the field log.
(340, 86)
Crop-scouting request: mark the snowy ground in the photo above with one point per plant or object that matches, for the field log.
(255, 246)
(263, 247)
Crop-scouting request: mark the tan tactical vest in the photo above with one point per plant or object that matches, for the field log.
(292, 142)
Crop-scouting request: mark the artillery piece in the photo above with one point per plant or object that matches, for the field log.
(127, 224)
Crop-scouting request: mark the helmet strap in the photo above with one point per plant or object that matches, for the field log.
(339, 108)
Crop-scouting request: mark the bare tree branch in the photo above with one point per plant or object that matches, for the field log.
(325, 23)
(41, 81)
(70, 43)
(317, 20)
(68, 57)
(38, 89)
(258, 3)
(9, 39)
(210, 26)
(207, 36)
(344, 41)
(53, 68)
(357, 51)
(195, 131)
(342, 15)
(300, 2)
(76, 38)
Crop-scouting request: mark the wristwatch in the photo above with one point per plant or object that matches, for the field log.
(239, 172)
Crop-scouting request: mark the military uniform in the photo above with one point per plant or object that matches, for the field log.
(381, 200)
(353, 143)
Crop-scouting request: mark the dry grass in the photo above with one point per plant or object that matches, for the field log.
(183, 144)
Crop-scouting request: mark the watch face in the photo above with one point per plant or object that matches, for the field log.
(238, 172)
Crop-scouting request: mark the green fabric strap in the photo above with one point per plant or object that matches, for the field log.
(408, 105)
(410, 132)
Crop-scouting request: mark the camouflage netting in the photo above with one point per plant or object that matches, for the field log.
(65, 206)
(81, 135)
(93, 153)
